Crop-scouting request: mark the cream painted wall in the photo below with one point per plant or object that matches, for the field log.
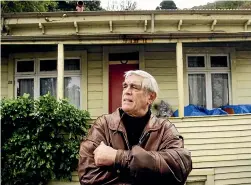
(4, 77)
(219, 143)
(243, 77)
(160, 61)
(95, 81)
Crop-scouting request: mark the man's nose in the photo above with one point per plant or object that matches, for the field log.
(128, 90)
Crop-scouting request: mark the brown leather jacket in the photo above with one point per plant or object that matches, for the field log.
(160, 159)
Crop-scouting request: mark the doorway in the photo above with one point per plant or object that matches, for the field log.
(119, 63)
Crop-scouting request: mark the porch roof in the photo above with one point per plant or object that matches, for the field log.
(127, 26)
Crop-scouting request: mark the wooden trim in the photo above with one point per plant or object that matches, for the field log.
(233, 76)
(105, 80)
(180, 78)
(60, 73)
(84, 81)
(11, 82)
(159, 40)
(152, 23)
(209, 173)
(142, 63)
(45, 55)
(128, 62)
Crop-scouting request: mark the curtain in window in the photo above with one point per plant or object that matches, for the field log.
(48, 85)
(25, 86)
(197, 89)
(72, 90)
(219, 90)
(71, 64)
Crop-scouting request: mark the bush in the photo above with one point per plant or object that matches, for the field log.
(40, 139)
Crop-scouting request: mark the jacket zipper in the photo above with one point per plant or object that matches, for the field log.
(126, 140)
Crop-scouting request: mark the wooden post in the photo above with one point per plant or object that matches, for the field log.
(60, 78)
(11, 83)
(142, 58)
(105, 80)
(179, 62)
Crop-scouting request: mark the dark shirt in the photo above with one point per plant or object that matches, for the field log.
(134, 126)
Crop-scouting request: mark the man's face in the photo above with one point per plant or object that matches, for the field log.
(135, 99)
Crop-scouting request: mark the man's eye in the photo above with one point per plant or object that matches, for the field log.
(124, 86)
(136, 87)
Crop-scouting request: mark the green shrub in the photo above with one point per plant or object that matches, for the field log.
(40, 139)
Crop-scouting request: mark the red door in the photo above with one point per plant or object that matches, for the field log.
(116, 78)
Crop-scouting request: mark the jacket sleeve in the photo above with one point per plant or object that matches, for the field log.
(88, 172)
(171, 164)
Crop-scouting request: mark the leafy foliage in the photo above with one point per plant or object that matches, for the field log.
(166, 5)
(47, 6)
(225, 5)
(28, 6)
(40, 139)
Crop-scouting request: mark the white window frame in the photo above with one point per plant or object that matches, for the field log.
(36, 75)
(46, 72)
(196, 68)
(74, 71)
(25, 73)
(208, 70)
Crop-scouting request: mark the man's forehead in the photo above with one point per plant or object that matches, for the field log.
(137, 80)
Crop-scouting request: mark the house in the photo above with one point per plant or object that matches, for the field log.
(201, 57)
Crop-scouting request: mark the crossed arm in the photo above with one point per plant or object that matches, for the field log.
(99, 163)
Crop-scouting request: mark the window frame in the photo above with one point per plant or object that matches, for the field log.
(25, 73)
(218, 68)
(208, 70)
(196, 68)
(36, 75)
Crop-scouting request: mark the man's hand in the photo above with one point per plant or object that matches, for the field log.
(104, 155)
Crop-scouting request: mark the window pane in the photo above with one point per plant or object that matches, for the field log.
(219, 90)
(218, 61)
(196, 61)
(48, 85)
(25, 86)
(71, 64)
(25, 66)
(197, 89)
(72, 90)
(48, 65)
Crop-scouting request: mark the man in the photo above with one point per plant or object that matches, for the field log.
(132, 146)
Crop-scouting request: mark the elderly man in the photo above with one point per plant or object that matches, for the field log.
(132, 146)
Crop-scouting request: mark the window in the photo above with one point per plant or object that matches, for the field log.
(208, 80)
(25, 86)
(72, 90)
(48, 65)
(48, 85)
(40, 80)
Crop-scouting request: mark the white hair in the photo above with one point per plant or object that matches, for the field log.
(149, 83)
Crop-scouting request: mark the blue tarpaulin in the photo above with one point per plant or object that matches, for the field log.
(193, 110)
(237, 109)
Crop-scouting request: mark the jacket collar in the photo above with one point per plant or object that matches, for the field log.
(116, 124)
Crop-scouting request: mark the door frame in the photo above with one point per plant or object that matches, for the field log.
(117, 49)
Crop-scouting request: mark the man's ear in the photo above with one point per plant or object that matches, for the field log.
(152, 97)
